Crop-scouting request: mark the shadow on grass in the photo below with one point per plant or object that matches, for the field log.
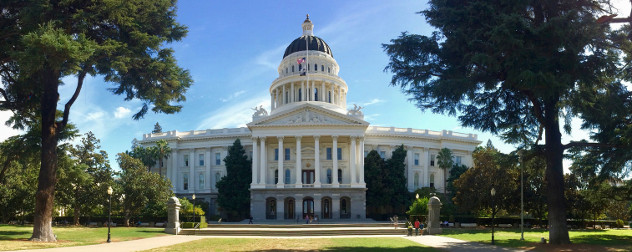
(606, 240)
(371, 249)
(10, 235)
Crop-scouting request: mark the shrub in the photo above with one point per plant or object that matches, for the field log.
(619, 223)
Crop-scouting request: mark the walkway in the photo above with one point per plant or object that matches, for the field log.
(451, 244)
(135, 245)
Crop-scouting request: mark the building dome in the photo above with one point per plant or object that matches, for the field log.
(315, 44)
(308, 38)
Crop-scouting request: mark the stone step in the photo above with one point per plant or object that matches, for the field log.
(283, 230)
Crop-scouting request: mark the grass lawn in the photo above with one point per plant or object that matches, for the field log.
(16, 237)
(610, 239)
(304, 244)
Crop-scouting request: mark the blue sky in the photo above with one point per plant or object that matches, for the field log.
(233, 49)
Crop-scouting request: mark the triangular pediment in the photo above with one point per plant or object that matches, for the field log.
(308, 114)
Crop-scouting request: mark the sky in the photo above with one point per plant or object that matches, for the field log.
(233, 49)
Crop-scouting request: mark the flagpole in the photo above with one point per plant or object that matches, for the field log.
(307, 61)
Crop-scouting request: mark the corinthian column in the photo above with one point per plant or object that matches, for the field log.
(317, 161)
(352, 160)
(255, 161)
(298, 163)
(264, 161)
(281, 158)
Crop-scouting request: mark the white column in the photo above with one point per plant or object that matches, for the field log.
(284, 96)
(333, 99)
(409, 169)
(255, 161)
(272, 100)
(426, 175)
(302, 91)
(317, 161)
(312, 88)
(281, 158)
(192, 177)
(174, 171)
(334, 157)
(292, 92)
(264, 160)
(323, 97)
(207, 168)
(298, 165)
(352, 161)
(361, 163)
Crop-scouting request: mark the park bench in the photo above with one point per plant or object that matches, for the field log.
(160, 224)
(92, 224)
(467, 225)
(504, 225)
(144, 224)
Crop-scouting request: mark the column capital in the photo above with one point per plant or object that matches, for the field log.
(353, 138)
(335, 137)
(298, 138)
(317, 137)
(255, 138)
(280, 138)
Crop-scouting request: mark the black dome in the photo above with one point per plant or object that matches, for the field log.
(315, 44)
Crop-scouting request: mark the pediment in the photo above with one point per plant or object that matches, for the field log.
(308, 114)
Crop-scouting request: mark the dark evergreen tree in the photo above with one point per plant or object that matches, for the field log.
(386, 184)
(395, 178)
(234, 189)
(157, 128)
(41, 43)
(519, 68)
(376, 198)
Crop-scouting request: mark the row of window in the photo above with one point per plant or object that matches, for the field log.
(287, 155)
(218, 159)
(300, 95)
(201, 180)
(308, 176)
(457, 159)
(300, 68)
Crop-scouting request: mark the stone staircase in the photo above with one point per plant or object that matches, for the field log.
(297, 230)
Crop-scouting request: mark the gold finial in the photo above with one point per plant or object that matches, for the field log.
(307, 17)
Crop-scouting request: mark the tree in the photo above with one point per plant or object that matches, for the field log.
(455, 173)
(41, 43)
(162, 150)
(139, 187)
(386, 184)
(234, 188)
(516, 69)
(157, 128)
(419, 207)
(490, 171)
(445, 162)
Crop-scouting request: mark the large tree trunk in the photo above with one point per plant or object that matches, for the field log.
(558, 231)
(44, 197)
(77, 214)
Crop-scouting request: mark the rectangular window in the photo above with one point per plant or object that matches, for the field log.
(201, 180)
(201, 158)
(416, 158)
(432, 160)
(287, 153)
(218, 177)
(340, 176)
(276, 154)
(339, 153)
(366, 153)
(329, 154)
(185, 181)
(186, 160)
(218, 159)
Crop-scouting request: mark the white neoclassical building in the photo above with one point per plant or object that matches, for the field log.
(308, 152)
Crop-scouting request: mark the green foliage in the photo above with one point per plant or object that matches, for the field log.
(419, 207)
(517, 70)
(138, 187)
(455, 173)
(234, 188)
(619, 223)
(157, 128)
(186, 208)
(386, 184)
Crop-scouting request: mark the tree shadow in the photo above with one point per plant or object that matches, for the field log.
(370, 249)
(607, 240)
(10, 235)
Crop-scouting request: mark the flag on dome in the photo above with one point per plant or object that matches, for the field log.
(301, 60)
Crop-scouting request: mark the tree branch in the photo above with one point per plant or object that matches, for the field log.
(82, 76)
(573, 144)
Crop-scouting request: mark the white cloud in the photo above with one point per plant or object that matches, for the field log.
(232, 96)
(235, 114)
(121, 112)
(270, 58)
(374, 101)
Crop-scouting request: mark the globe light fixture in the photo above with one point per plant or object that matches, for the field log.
(110, 191)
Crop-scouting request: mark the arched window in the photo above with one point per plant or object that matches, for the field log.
(218, 177)
(345, 208)
(286, 70)
(432, 180)
(315, 67)
(329, 96)
(276, 176)
(300, 94)
(416, 181)
(316, 94)
(322, 68)
(329, 176)
(287, 97)
(287, 176)
(292, 68)
(185, 181)
(201, 180)
(328, 69)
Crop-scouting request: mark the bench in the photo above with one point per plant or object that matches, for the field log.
(92, 224)
(504, 225)
(468, 225)
(144, 224)
(160, 224)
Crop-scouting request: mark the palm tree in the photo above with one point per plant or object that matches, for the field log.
(162, 151)
(445, 161)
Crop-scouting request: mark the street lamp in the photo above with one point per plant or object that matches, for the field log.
(193, 210)
(417, 196)
(493, 192)
(521, 156)
(109, 211)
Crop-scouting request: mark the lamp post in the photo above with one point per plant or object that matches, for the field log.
(521, 154)
(417, 196)
(193, 197)
(493, 193)
(109, 211)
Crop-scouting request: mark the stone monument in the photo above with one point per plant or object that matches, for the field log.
(434, 209)
(173, 213)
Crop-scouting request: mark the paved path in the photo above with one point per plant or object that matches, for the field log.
(451, 244)
(447, 243)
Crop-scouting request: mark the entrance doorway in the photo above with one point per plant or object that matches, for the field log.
(308, 207)
(289, 208)
(308, 176)
(326, 211)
